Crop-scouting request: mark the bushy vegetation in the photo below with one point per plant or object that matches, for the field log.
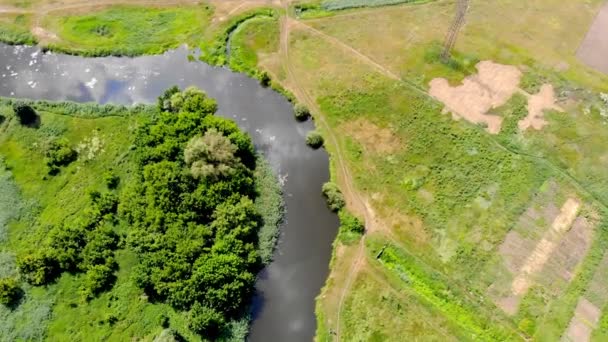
(301, 112)
(314, 139)
(334, 197)
(136, 217)
(27, 115)
(9, 291)
(111, 31)
(351, 227)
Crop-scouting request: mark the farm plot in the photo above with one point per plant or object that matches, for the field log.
(544, 249)
(594, 49)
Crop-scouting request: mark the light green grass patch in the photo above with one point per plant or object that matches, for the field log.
(129, 30)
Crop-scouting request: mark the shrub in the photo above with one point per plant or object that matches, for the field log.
(38, 268)
(111, 179)
(26, 114)
(314, 139)
(350, 223)
(97, 279)
(301, 112)
(9, 291)
(335, 199)
(59, 154)
(206, 321)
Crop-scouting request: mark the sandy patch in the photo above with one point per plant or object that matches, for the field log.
(373, 138)
(44, 35)
(594, 49)
(585, 320)
(491, 87)
(545, 99)
(540, 255)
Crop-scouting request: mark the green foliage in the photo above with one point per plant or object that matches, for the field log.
(301, 112)
(16, 34)
(206, 321)
(314, 139)
(191, 100)
(59, 154)
(111, 180)
(270, 205)
(27, 115)
(334, 197)
(97, 279)
(9, 291)
(82, 110)
(212, 155)
(38, 267)
(195, 233)
(10, 199)
(164, 101)
(351, 228)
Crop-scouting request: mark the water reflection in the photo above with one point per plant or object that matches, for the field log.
(284, 308)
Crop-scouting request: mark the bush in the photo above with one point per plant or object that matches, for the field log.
(335, 199)
(97, 279)
(301, 112)
(9, 291)
(111, 180)
(26, 114)
(350, 223)
(314, 139)
(59, 154)
(206, 321)
(38, 268)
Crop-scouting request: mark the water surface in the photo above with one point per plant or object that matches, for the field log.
(286, 289)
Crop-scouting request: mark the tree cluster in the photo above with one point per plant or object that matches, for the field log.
(192, 221)
(85, 244)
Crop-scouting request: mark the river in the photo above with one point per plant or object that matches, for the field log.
(286, 289)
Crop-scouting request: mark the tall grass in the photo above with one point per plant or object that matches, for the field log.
(270, 205)
(83, 110)
(10, 199)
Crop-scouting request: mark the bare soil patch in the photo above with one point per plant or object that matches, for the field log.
(585, 320)
(545, 99)
(543, 250)
(594, 49)
(569, 253)
(373, 138)
(491, 87)
(43, 35)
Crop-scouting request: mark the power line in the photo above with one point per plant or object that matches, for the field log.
(450, 40)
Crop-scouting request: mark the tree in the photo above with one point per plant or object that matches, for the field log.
(314, 139)
(9, 291)
(26, 114)
(335, 199)
(301, 112)
(164, 101)
(212, 155)
(192, 100)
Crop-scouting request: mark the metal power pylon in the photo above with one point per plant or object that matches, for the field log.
(450, 40)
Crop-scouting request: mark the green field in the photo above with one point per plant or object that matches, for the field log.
(129, 30)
